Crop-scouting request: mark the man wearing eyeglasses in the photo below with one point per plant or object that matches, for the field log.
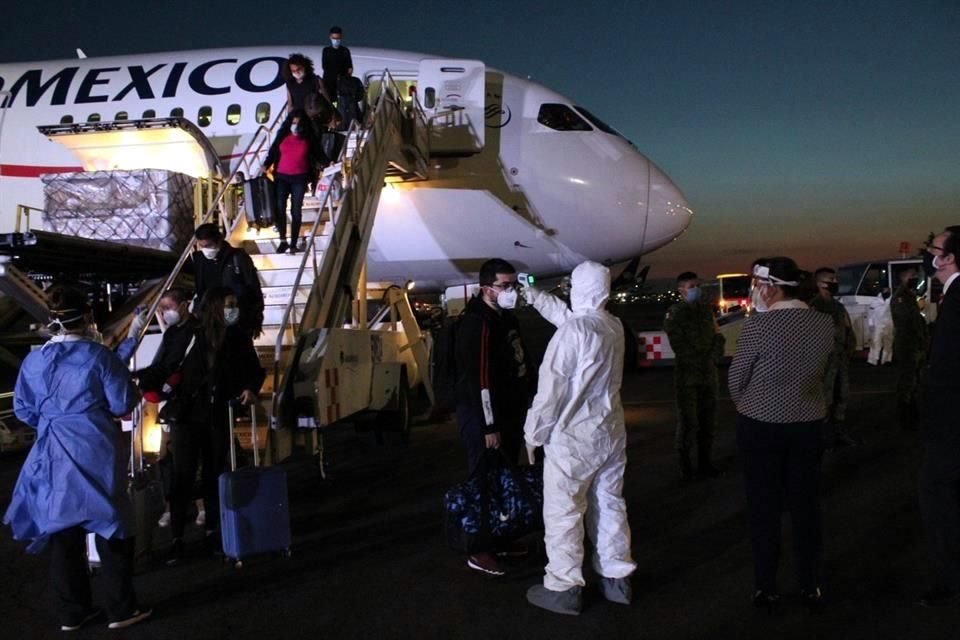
(939, 485)
(493, 382)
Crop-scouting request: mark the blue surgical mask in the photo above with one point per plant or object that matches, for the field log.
(231, 315)
(335, 42)
(692, 294)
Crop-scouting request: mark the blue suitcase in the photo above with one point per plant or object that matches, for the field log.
(254, 510)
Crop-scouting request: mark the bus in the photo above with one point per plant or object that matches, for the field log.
(729, 293)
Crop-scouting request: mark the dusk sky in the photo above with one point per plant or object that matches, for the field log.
(828, 131)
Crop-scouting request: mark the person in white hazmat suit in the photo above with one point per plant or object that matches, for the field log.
(577, 418)
(881, 330)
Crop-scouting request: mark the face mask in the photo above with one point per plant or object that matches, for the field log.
(231, 316)
(56, 325)
(335, 42)
(171, 317)
(295, 129)
(692, 294)
(298, 76)
(833, 288)
(930, 265)
(210, 253)
(507, 299)
(756, 301)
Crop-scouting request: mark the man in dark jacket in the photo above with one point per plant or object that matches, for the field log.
(217, 263)
(939, 485)
(336, 61)
(493, 382)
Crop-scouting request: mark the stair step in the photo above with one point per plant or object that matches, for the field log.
(272, 261)
(273, 314)
(285, 277)
(268, 245)
(281, 295)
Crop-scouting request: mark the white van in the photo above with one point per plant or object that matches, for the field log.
(861, 283)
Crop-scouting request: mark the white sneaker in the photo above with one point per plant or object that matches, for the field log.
(201, 518)
(164, 520)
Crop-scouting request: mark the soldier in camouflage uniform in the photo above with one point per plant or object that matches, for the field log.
(909, 346)
(837, 377)
(698, 345)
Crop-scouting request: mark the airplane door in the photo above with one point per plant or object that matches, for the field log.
(452, 94)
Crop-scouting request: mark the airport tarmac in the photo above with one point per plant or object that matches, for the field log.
(369, 558)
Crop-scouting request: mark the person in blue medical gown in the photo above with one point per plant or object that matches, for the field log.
(74, 479)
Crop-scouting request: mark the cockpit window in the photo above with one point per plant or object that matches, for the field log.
(598, 123)
(561, 118)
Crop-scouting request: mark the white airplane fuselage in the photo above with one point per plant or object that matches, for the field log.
(544, 199)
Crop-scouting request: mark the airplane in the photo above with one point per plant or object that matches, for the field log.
(545, 184)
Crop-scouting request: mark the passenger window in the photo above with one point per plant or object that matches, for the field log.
(66, 120)
(560, 117)
(121, 115)
(176, 113)
(430, 98)
(205, 116)
(233, 114)
(263, 113)
(93, 117)
(874, 280)
(149, 113)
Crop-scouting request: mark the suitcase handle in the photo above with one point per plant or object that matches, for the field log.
(231, 419)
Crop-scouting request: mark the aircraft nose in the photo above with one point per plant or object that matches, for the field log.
(667, 214)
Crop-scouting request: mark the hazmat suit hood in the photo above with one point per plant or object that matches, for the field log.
(589, 287)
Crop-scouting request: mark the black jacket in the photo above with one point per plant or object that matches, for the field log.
(232, 268)
(490, 355)
(169, 356)
(335, 63)
(235, 368)
(944, 363)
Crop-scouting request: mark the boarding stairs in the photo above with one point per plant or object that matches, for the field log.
(315, 288)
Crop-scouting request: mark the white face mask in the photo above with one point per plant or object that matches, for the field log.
(335, 42)
(210, 253)
(507, 299)
(171, 317)
(231, 315)
(756, 301)
(298, 76)
(295, 129)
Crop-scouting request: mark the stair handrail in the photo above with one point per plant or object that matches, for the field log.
(388, 89)
(208, 217)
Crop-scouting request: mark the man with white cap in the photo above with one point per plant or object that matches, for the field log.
(577, 417)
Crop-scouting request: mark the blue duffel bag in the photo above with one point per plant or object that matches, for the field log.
(499, 503)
